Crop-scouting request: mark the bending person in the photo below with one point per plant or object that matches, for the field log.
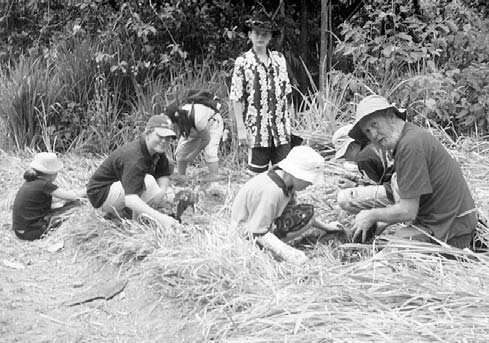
(434, 196)
(266, 208)
(136, 175)
(200, 125)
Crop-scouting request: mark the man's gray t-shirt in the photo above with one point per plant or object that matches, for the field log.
(425, 169)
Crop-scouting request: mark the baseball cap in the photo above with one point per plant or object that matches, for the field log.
(162, 125)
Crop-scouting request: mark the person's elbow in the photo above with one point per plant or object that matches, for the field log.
(409, 209)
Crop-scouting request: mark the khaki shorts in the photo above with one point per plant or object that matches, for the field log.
(115, 200)
(208, 140)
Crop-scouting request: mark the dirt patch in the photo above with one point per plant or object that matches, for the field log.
(36, 286)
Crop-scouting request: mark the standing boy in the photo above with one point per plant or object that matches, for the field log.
(259, 89)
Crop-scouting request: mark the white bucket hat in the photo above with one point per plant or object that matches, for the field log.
(304, 163)
(368, 106)
(47, 163)
(341, 140)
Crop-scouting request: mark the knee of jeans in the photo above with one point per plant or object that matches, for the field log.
(344, 200)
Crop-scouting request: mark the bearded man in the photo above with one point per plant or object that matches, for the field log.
(435, 201)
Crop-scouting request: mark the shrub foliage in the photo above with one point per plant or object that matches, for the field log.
(76, 74)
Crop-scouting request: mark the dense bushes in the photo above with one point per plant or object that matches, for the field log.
(436, 62)
(86, 74)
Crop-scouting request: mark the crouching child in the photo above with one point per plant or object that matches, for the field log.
(40, 202)
(266, 210)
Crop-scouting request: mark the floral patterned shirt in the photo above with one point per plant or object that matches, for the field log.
(263, 91)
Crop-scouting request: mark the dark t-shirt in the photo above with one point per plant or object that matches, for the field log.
(128, 164)
(426, 170)
(32, 203)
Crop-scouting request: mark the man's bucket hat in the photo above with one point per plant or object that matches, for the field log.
(304, 163)
(341, 140)
(46, 162)
(162, 125)
(368, 106)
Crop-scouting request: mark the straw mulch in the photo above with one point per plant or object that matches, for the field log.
(393, 291)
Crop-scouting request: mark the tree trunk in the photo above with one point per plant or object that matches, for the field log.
(304, 46)
(280, 40)
(326, 46)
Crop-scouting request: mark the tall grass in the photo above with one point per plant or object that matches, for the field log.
(77, 68)
(322, 111)
(27, 88)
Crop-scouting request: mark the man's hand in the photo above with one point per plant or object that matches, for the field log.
(363, 222)
(157, 200)
(345, 183)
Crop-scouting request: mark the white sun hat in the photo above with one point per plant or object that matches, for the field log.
(368, 106)
(341, 140)
(47, 163)
(304, 163)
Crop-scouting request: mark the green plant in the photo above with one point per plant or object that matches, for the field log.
(322, 111)
(27, 88)
(435, 63)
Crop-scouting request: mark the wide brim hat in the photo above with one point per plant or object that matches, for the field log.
(304, 163)
(341, 141)
(162, 125)
(263, 22)
(47, 163)
(369, 106)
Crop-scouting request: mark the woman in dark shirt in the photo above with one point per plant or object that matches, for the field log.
(33, 208)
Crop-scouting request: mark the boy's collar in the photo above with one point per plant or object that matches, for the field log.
(279, 181)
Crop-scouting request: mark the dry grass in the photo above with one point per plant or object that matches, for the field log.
(394, 291)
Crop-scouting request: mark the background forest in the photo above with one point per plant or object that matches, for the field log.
(84, 74)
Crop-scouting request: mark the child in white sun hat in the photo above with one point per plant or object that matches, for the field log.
(33, 213)
(266, 209)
